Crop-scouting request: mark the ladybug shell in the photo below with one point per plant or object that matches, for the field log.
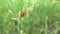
(22, 13)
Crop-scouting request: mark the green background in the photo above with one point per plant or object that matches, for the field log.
(42, 17)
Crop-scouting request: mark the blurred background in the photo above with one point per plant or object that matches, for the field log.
(41, 17)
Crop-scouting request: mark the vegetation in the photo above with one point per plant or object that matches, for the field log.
(41, 17)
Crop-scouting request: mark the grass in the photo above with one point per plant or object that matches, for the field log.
(42, 17)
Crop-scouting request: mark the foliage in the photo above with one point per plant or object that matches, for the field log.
(42, 17)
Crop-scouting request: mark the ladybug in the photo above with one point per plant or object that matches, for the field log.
(22, 13)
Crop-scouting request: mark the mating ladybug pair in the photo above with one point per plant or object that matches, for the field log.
(22, 13)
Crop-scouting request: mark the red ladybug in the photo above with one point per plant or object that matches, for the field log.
(22, 13)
